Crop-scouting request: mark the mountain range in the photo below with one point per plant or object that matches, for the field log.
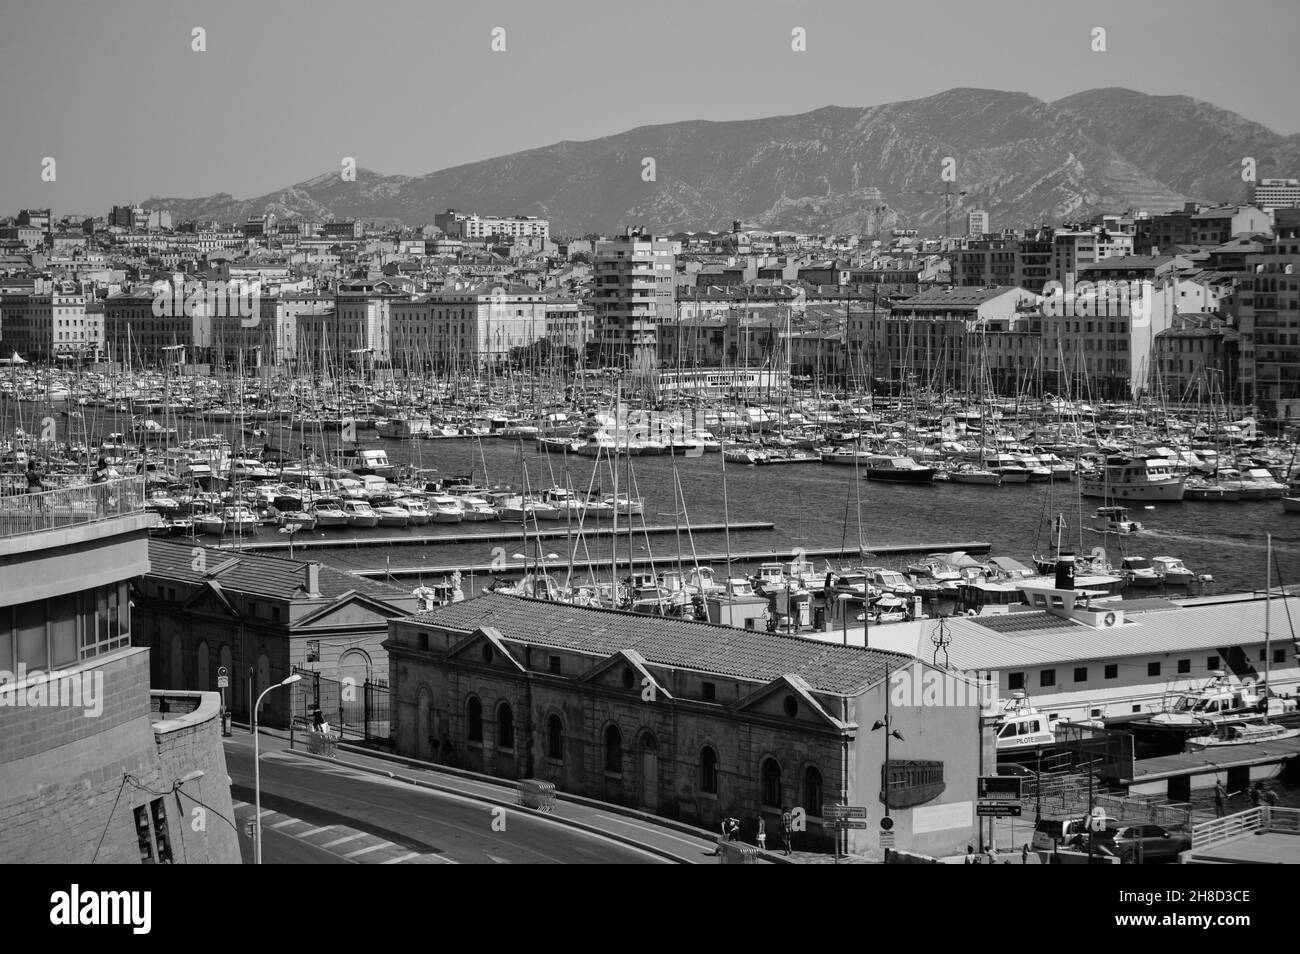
(838, 169)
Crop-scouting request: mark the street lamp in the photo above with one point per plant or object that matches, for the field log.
(1038, 784)
(890, 732)
(257, 769)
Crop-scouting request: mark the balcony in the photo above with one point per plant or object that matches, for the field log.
(24, 514)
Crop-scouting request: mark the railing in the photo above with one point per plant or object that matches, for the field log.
(53, 509)
(1071, 795)
(1216, 832)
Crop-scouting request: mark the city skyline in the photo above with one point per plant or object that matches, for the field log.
(296, 78)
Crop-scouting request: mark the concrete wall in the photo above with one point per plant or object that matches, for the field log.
(64, 792)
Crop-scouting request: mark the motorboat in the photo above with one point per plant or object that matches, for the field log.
(1133, 478)
(417, 512)
(1202, 710)
(360, 513)
(474, 509)
(972, 474)
(896, 470)
(1243, 733)
(1172, 572)
(444, 508)
(1022, 729)
(328, 512)
(1138, 572)
(1114, 520)
(240, 519)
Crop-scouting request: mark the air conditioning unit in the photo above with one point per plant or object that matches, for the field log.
(1100, 618)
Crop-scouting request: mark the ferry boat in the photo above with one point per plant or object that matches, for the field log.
(1130, 478)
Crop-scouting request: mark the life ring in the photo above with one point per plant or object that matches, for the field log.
(1110, 619)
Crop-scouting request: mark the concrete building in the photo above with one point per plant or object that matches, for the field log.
(93, 770)
(633, 293)
(260, 617)
(1273, 194)
(1268, 315)
(470, 326)
(688, 720)
(43, 326)
(1195, 359)
(1197, 225)
(473, 226)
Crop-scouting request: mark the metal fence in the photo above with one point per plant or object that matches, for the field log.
(71, 506)
(1265, 818)
(353, 709)
(1072, 795)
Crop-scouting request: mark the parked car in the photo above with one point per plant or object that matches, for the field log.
(1150, 843)
(1052, 833)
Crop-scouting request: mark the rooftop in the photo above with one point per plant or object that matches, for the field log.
(259, 574)
(666, 641)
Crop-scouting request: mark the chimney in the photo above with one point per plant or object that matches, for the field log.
(312, 585)
(1065, 571)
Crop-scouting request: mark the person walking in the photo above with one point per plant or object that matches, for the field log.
(762, 834)
(787, 827)
(1220, 797)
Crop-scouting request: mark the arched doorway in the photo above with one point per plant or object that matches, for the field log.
(354, 664)
(649, 771)
(203, 682)
(424, 725)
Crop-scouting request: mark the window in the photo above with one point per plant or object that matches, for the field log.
(1279, 655)
(613, 751)
(710, 692)
(1080, 673)
(1112, 671)
(709, 771)
(812, 791)
(505, 726)
(474, 716)
(1047, 677)
(554, 738)
(1015, 680)
(1184, 665)
(771, 778)
(555, 665)
(1153, 669)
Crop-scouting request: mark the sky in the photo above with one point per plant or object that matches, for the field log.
(113, 91)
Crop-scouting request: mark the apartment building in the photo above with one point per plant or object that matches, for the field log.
(44, 326)
(633, 293)
(1268, 315)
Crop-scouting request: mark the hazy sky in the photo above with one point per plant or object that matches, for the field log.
(287, 88)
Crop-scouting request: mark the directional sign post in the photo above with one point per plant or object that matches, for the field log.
(223, 681)
(997, 809)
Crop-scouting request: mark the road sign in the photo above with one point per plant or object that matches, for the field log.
(998, 788)
(887, 839)
(848, 823)
(886, 823)
(997, 809)
(223, 682)
(843, 811)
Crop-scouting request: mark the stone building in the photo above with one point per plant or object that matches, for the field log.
(686, 719)
(200, 608)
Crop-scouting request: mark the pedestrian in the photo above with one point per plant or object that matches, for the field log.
(318, 721)
(1255, 791)
(762, 834)
(733, 828)
(1268, 796)
(100, 475)
(970, 856)
(448, 750)
(1220, 796)
(1024, 854)
(787, 826)
(35, 477)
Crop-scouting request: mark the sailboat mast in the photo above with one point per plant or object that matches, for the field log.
(1268, 605)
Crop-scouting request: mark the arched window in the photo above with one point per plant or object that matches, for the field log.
(505, 726)
(614, 750)
(709, 770)
(474, 712)
(554, 738)
(771, 775)
(812, 791)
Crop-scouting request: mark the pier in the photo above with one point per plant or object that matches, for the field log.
(748, 556)
(425, 538)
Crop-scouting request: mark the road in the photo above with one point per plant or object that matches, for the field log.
(315, 812)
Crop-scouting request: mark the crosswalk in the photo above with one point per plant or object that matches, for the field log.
(351, 844)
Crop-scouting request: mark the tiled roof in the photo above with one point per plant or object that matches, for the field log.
(667, 641)
(259, 574)
(959, 296)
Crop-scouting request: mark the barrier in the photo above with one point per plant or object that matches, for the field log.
(737, 853)
(534, 793)
(323, 743)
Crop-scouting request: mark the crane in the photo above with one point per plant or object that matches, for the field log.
(947, 194)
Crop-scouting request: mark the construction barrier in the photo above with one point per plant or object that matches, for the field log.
(534, 793)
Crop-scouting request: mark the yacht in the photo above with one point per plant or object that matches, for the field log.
(1129, 478)
(444, 508)
(329, 513)
(475, 509)
(897, 470)
(1138, 572)
(1203, 710)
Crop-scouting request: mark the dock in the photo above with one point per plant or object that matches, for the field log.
(426, 538)
(1177, 775)
(748, 556)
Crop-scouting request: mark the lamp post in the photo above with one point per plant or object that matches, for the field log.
(1038, 784)
(844, 614)
(890, 732)
(257, 770)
